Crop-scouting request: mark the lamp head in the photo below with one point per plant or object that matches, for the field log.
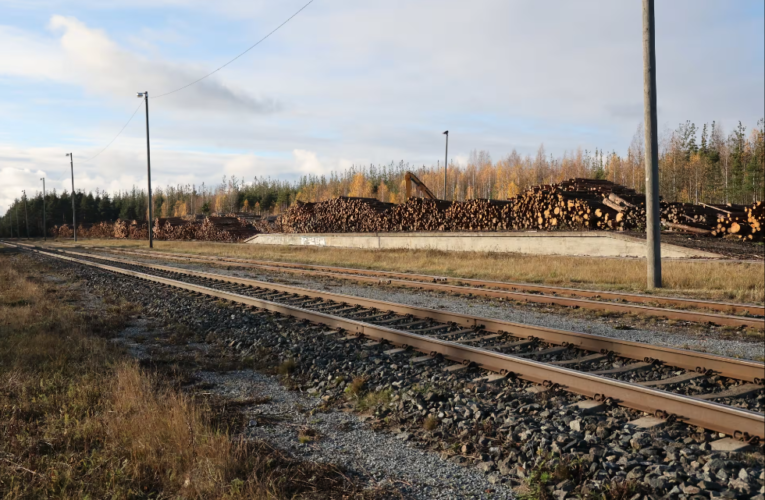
(139, 94)
(446, 132)
(69, 154)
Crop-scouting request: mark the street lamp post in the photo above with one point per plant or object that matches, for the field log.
(446, 160)
(45, 225)
(145, 96)
(74, 217)
(26, 217)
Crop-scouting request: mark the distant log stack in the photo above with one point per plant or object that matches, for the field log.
(138, 230)
(63, 231)
(173, 228)
(479, 215)
(339, 215)
(226, 229)
(121, 229)
(417, 214)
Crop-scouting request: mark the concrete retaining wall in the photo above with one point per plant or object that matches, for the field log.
(596, 244)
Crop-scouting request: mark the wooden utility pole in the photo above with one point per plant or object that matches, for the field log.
(653, 211)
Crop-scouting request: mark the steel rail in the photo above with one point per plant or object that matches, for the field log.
(752, 371)
(438, 284)
(693, 411)
(728, 307)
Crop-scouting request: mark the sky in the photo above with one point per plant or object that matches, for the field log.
(348, 83)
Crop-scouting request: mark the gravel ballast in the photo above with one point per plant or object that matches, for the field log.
(510, 434)
(710, 341)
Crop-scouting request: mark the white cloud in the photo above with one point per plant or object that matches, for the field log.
(307, 162)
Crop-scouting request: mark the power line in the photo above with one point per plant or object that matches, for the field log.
(200, 79)
(118, 134)
(238, 56)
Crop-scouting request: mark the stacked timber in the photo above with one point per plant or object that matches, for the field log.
(741, 222)
(417, 214)
(171, 228)
(268, 225)
(227, 229)
(480, 215)
(577, 204)
(138, 230)
(99, 230)
(339, 215)
(63, 231)
(121, 229)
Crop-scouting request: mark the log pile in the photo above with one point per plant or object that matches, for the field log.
(173, 228)
(417, 214)
(227, 229)
(99, 230)
(576, 204)
(138, 230)
(267, 225)
(339, 215)
(480, 215)
(745, 224)
(63, 231)
(121, 229)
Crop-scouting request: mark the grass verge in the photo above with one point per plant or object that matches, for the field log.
(733, 281)
(80, 419)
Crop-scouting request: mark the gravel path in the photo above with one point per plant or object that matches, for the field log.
(496, 310)
(343, 439)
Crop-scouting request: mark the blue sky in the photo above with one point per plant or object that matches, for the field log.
(350, 82)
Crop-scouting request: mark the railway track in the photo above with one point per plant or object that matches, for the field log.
(691, 310)
(610, 371)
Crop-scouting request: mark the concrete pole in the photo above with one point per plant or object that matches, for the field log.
(653, 212)
(26, 216)
(446, 162)
(74, 213)
(45, 225)
(148, 172)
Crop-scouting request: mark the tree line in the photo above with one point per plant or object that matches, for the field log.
(696, 165)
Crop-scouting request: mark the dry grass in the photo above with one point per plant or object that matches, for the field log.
(356, 387)
(79, 419)
(430, 423)
(740, 282)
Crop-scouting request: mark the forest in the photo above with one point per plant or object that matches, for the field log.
(696, 165)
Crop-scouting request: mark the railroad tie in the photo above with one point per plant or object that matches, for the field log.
(583, 359)
(479, 339)
(520, 343)
(391, 352)
(733, 392)
(551, 350)
(490, 379)
(624, 369)
(421, 359)
(455, 368)
(673, 380)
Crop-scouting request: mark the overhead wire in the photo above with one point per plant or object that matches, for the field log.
(202, 78)
(118, 134)
(238, 56)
